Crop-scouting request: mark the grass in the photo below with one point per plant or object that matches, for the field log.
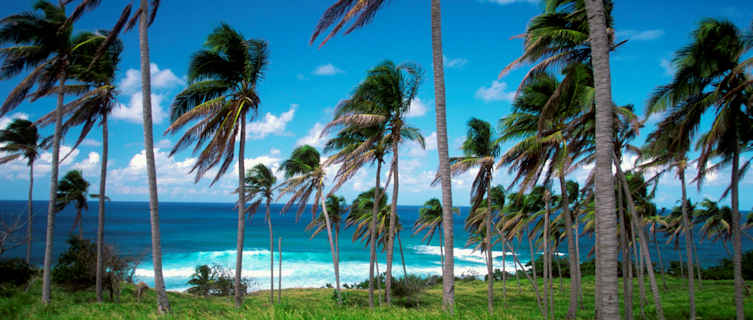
(714, 301)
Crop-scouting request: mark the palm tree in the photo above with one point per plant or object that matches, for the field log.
(345, 10)
(305, 175)
(480, 150)
(222, 91)
(259, 186)
(604, 180)
(21, 140)
(337, 208)
(94, 105)
(73, 188)
(716, 223)
(382, 100)
(44, 44)
(430, 221)
(710, 78)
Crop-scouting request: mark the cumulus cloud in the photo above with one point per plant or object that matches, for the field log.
(271, 124)
(132, 178)
(161, 79)
(417, 108)
(132, 111)
(88, 164)
(313, 137)
(640, 35)
(497, 91)
(327, 70)
(455, 63)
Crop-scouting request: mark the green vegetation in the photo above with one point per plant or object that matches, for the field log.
(318, 304)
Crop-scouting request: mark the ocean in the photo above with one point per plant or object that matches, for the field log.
(205, 233)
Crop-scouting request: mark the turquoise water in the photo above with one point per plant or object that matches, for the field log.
(205, 233)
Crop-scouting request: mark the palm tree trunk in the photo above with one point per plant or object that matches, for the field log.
(372, 234)
(578, 274)
(489, 254)
(55, 165)
(661, 263)
(642, 241)
(533, 258)
(402, 257)
(639, 266)
(574, 284)
(736, 237)
(240, 236)
(504, 272)
(333, 250)
(533, 283)
(271, 257)
(448, 275)
(545, 273)
(101, 208)
(627, 279)
(604, 180)
(279, 271)
(597, 270)
(393, 222)
(688, 243)
(29, 215)
(378, 286)
(697, 262)
(441, 247)
(517, 276)
(80, 223)
(163, 306)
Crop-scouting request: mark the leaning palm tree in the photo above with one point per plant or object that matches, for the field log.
(336, 208)
(21, 140)
(712, 79)
(365, 10)
(73, 188)
(222, 92)
(430, 221)
(382, 100)
(96, 79)
(480, 150)
(259, 186)
(45, 44)
(716, 223)
(305, 175)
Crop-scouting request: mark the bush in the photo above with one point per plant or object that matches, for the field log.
(77, 267)
(214, 280)
(15, 272)
(724, 271)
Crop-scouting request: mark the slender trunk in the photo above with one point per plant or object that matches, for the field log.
(279, 270)
(627, 281)
(240, 236)
(597, 271)
(402, 257)
(393, 222)
(545, 257)
(697, 262)
(271, 257)
(736, 237)
(644, 247)
(378, 286)
(533, 257)
(101, 208)
(640, 267)
(448, 275)
(661, 263)
(53, 191)
(80, 223)
(533, 284)
(489, 254)
(163, 305)
(604, 180)
(372, 234)
(441, 247)
(517, 276)
(559, 272)
(578, 275)
(333, 250)
(28, 217)
(688, 243)
(572, 307)
(682, 262)
(504, 271)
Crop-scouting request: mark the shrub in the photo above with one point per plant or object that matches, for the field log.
(15, 272)
(214, 280)
(77, 266)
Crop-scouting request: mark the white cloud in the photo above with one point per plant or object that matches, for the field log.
(456, 63)
(414, 149)
(132, 111)
(638, 35)
(505, 2)
(161, 79)
(89, 163)
(91, 143)
(313, 138)
(271, 124)
(164, 144)
(417, 108)
(5, 121)
(667, 66)
(495, 92)
(132, 178)
(327, 70)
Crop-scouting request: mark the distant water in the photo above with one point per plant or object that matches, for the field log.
(205, 233)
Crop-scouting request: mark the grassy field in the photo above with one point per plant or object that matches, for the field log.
(714, 301)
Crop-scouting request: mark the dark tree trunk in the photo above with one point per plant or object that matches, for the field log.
(271, 256)
(101, 208)
(372, 234)
(688, 244)
(29, 224)
(393, 222)
(489, 254)
(627, 280)
(572, 307)
(736, 237)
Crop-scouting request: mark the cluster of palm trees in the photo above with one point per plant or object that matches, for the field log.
(563, 118)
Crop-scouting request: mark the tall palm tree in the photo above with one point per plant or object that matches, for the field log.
(604, 180)
(365, 10)
(259, 186)
(73, 188)
(716, 223)
(94, 105)
(481, 151)
(304, 174)
(43, 43)
(336, 208)
(712, 79)
(382, 100)
(21, 140)
(222, 91)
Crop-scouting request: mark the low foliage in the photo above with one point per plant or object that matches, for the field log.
(214, 280)
(77, 266)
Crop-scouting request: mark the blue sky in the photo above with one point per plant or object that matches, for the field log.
(303, 83)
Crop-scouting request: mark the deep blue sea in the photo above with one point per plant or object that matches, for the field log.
(205, 233)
